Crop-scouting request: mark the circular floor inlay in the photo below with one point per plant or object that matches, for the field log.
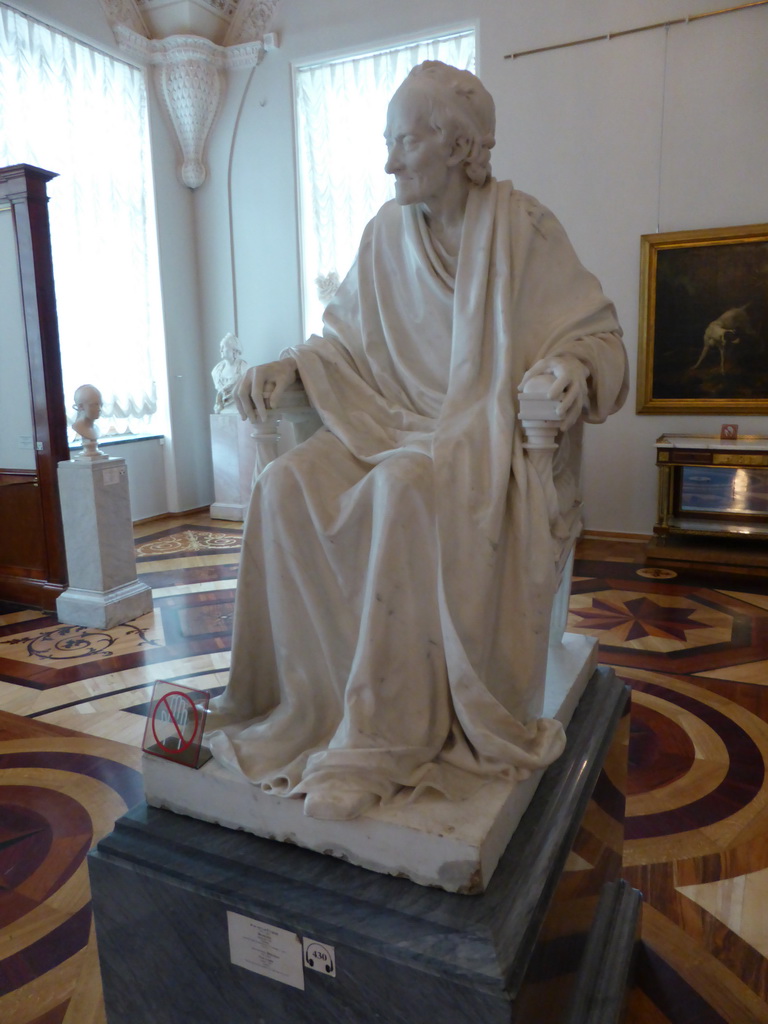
(660, 750)
(44, 837)
(701, 760)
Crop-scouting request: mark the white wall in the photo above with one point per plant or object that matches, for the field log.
(83, 19)
(659, 131)
(247, 216)
(189, 472)
(145, 462)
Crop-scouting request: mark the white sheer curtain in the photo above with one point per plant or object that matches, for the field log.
(70, 109)
(341, 110)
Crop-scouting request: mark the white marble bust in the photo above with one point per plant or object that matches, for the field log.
(88, 405)
(398, 567)
(227, 373)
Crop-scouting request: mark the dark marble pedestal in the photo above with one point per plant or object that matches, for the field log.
(550, 940)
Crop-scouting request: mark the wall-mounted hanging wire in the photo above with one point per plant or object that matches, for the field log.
(632, 31)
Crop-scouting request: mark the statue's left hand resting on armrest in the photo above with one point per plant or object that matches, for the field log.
(261, 387)
(570, 387)
(398, 567)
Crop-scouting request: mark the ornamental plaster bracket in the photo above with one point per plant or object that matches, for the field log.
(189, 75)
(189, 71)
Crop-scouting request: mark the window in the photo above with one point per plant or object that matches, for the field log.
(341, 110)
(74, 110)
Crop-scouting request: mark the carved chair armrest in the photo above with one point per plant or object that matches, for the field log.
(541, 419)
(540, 416)
(294, 397)
(290, 423)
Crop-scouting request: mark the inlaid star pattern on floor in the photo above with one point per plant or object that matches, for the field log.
(639, 617)
(649, 621)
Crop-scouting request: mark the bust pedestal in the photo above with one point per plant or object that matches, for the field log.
(234, 451)
(103, 590)
(241, 449)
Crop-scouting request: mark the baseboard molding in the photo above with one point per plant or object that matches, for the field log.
(634, 538)
(203, 510)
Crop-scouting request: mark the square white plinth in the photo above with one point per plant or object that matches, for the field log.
(455, 846)
(104, 589)
(234, 450)
(106, 608)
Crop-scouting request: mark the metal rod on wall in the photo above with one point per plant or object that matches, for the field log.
(632, 31)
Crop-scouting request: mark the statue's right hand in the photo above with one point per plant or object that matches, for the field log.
(261, 387)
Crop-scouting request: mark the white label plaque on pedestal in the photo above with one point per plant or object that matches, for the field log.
(266, 949)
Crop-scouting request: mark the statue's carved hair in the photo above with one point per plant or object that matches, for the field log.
(84, 394)
(461, 105)
(233, 342)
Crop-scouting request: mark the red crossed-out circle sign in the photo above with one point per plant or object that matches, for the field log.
(176, 712)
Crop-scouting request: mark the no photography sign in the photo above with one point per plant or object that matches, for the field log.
(176, 723)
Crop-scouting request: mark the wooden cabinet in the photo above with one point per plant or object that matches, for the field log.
(32, 415)
(710, 491)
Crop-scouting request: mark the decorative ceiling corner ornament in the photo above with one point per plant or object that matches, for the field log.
(125, 12)
(189, 69)
(188, 73)
(251, 21)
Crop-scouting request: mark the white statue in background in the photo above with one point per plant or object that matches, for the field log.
(88, 405)
(227, 374)
(398, 567)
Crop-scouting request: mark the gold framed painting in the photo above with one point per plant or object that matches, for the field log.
(703, 341)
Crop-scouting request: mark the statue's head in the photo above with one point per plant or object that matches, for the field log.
(230, 348)
(458, 107)
(88, 401)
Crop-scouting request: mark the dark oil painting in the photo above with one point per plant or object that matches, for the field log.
(711, 322)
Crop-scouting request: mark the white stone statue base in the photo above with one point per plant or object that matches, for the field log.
(104, 609)
(241, 449)
(104, 590)
(233, 450)
(455, 846)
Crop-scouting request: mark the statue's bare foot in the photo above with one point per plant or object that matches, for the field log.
(334, 804)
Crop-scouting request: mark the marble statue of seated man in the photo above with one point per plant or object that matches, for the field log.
(397, 568)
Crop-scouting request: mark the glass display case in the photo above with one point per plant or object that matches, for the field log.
(709, 486)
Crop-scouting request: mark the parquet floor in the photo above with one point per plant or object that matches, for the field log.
(693, 644)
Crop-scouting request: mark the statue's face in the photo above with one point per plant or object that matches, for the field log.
(90, 404)
(418, 153)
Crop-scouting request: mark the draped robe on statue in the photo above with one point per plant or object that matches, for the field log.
(398, 567)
